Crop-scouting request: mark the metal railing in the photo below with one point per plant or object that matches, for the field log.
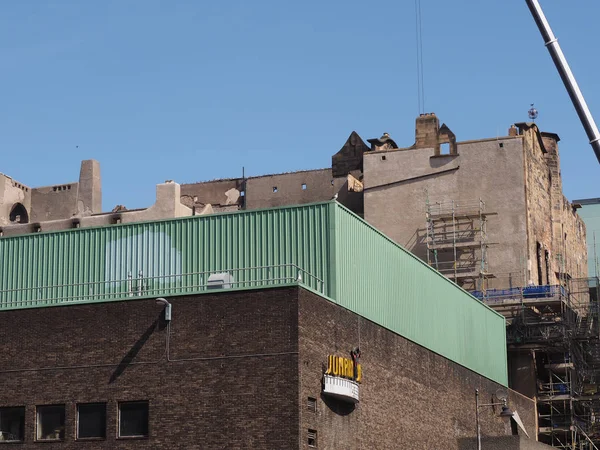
(148, 286)
(521, 293)
(453, 207)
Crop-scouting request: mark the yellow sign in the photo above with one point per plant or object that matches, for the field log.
(338, 366)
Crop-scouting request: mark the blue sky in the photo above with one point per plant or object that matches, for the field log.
(196, 90)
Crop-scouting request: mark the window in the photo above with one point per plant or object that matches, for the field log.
(133, 419)
(303, 186)
(274, 188)
(445, 149)
(91, 421)
(51, 423)
(383, 157)
(311, 404)
(539, 264)
(312, 438)
(12, 424)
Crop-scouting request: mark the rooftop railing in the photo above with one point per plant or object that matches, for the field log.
(139, 285)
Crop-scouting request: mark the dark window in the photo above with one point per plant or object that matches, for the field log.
(274, 188)
(547, 257)
(51, 423)
(12, 424)
(133, 419)
(91, 420)
(539, 265)
(312, 438)
(18, 214)
(383, 157)
(311, 404)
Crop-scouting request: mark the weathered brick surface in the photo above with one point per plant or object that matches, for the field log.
(242, 366)
(411, 398)
(208, 399)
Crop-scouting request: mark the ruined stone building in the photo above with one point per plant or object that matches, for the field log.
(487, 213)
(496, 214)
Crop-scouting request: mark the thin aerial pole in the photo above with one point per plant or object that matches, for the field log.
(567, 76)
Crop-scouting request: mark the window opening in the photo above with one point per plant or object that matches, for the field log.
(91, 421)
(303, 186)
(539, 265)
(18, 214)
(312, 438)
(12, 424)
(547, 256)
(445, 149)
(274, 188)
(311, 404)
(133, 419)
(51, 423)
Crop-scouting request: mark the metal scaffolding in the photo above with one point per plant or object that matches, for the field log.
(457, 241)
(560, 326)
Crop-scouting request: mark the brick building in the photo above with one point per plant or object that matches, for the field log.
(488, 214)
(261, 303)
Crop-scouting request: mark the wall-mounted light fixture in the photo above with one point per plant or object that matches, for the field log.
(163, 301)
(506, 413)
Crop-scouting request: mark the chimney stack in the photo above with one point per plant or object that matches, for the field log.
(427, 131)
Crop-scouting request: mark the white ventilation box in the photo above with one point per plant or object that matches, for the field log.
(220, 281)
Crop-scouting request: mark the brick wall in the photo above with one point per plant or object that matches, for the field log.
(411, 398)
(234, 384)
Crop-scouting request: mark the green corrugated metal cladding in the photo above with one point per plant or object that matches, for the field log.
(332, 250)
(387, 284)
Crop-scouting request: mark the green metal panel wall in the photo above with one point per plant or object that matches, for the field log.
(164, 256)
(381, 281)
(354, 265)
(590, 213)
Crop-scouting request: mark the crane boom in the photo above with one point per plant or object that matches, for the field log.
(567, 76)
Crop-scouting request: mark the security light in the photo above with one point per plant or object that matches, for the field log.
(163, 301)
